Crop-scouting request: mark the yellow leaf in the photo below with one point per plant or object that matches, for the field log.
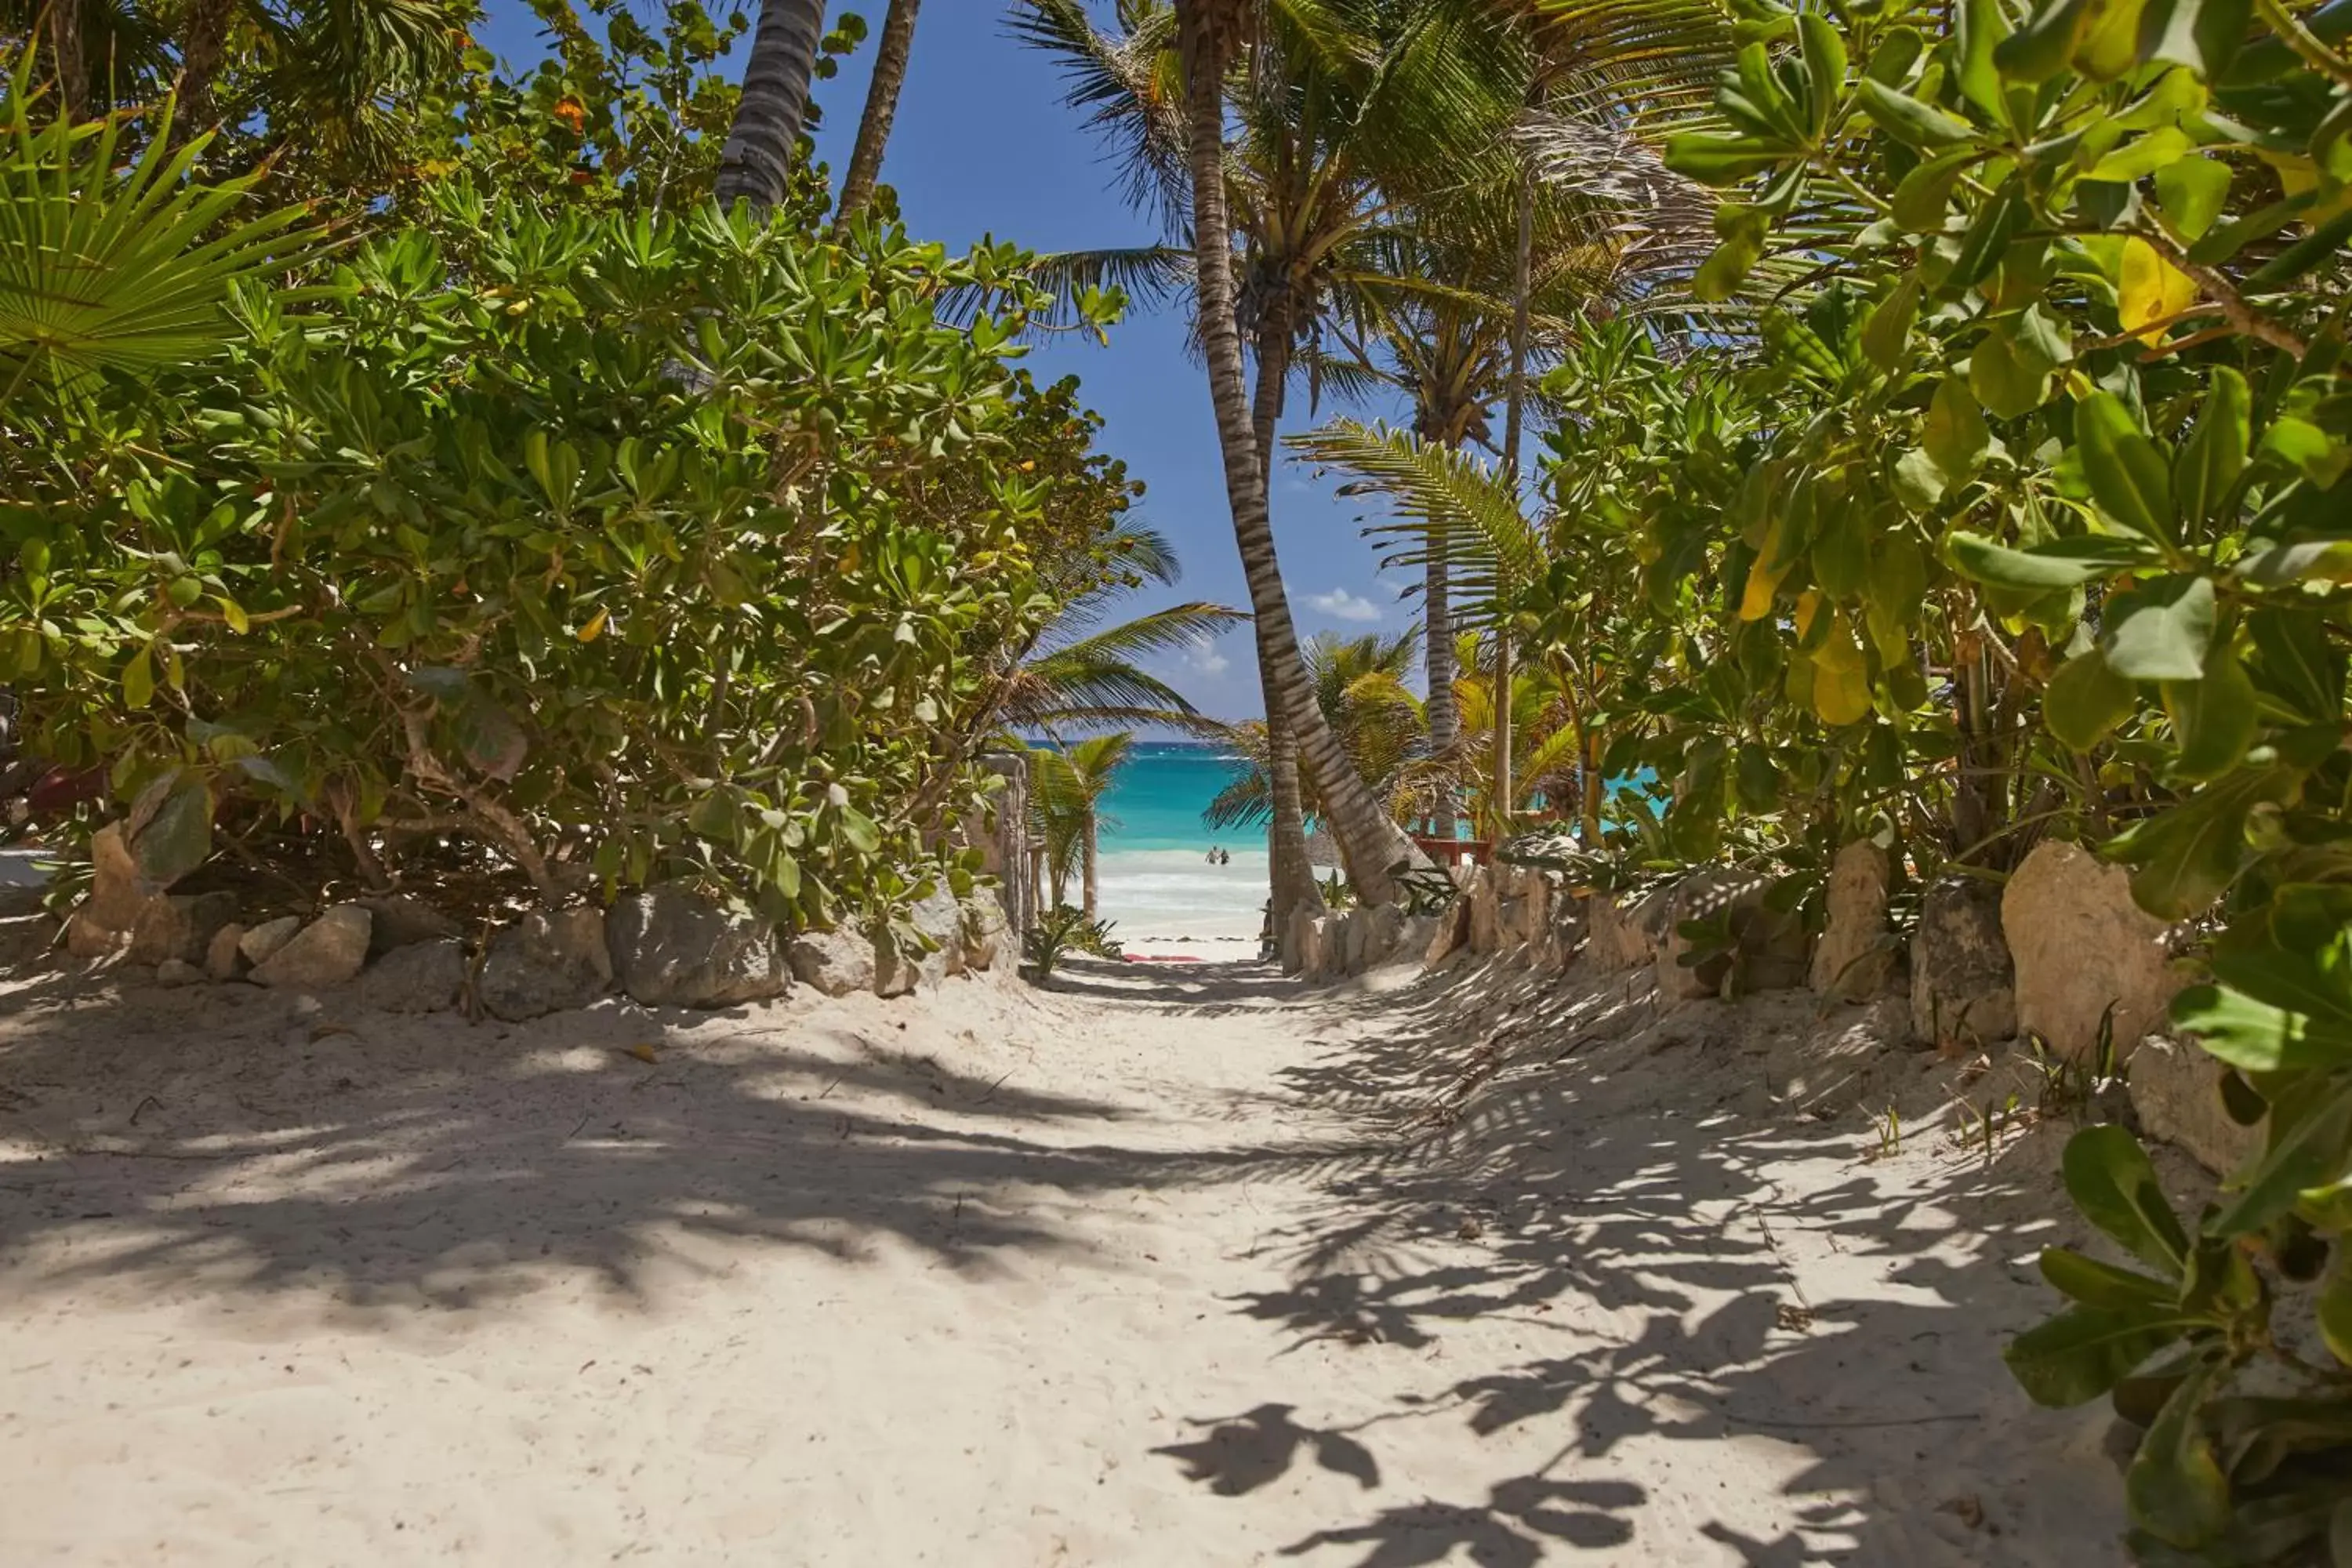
(1763, 580)
(644, 1053)
(1808, 605)
(595, 626)
(2151, 289)
(1840, 676)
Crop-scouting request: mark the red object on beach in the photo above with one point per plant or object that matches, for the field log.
(60, 790)
(1453, 851)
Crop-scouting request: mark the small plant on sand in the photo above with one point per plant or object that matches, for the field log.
(1063, 930)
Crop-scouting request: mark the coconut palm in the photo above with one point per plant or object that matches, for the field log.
(1361, 691)
(756, 165)
(1067, 785)
(1078, 677)
(881, 108)
(1340, 109)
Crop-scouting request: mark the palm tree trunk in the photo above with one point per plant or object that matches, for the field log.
(1088, 873)
(756, 165)
(1290, 874)
(203, 44)
(1442, 710)
(1522, 266)
(1368, 842)
(65, 48)
(881, 108)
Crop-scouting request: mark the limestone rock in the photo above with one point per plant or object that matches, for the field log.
(1449, 932)
(2080, 943)
(1623, 933)
(545, 963)
(1852, 959)
(1485, 902)
(1962, 989)
(1764, 947)
(222, 958)
(2175, 1092)
(1300, 937)
(986, 931)
(672, 947)
(327, 952)
(416, 977)
(1523, 906)
(401, 920)
(258, 943)
(1413, 935)
(835, 962)
(940, 918)
(179, 926)
(175, 971)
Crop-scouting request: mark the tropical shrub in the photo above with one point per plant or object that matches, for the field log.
(555, 550)
(2056, 416)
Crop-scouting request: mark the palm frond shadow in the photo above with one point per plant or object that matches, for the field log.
(1706, 1267)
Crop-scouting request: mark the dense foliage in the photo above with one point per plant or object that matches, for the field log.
(545, 538)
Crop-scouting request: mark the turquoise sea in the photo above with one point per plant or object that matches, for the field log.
(1154, 878)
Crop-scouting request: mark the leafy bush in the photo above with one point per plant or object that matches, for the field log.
(2064, 432)
(559, 549)
(1065, 930)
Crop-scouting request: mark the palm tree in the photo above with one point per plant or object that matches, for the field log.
(1077, 676)
(1067, 785)
(1360, 693)
(881, 108)
(756, 164)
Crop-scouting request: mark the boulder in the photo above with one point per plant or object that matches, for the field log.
(2081, 944)
(1301, 938)
(416, 977)
(222, 958)
(401, 920)
(1485, 902)
(545, 963)
(1763, 948)
(939, 917)
(986, 931)
(1523, 906)
(258, 943)
(1623, 933)
(835, 962)
(327, 952)
(2175, 1092)
(1853, 960)
(1413, 935)
(176, 972)
(179, 926)
(1564, 934)
(672, 947)
(117, 890)
(1449, 932)
(1962, 989)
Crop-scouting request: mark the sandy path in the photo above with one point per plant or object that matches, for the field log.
(1168, 1267)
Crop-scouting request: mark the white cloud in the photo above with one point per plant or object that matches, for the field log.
(1204, 657)
(1343, 605)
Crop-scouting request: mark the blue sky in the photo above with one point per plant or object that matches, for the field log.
(983, 146)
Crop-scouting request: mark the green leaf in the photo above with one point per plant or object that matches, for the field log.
(2190, 192)
(2039, 50)
(1907, 120)
(1985, 242)
(2254, 1035)
(1923, 197)
(2319, 456)
(1885, 336)
(1823, 49)
(2306, 1148)
(2295, 664)
(2086, 700)
(2103, 1285)
(2125, 471)
(1983, 23)
(2109, 1178)
(2162, 629)
(2083, 1352)
(1713, 159)
(1742, 229)
(2008, 378)
(2175, 1484)
(1956, 436)
(2061, 564)
(2141, 156)
(1918, 483)
(2212, 718)
(138, 679)
(2314, 983)
(2332, 1307)
(2207, 468)
(2187, 856)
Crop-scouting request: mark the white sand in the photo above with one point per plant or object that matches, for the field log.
(1171, 1267)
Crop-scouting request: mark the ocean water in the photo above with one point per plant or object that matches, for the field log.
(1153, 879)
